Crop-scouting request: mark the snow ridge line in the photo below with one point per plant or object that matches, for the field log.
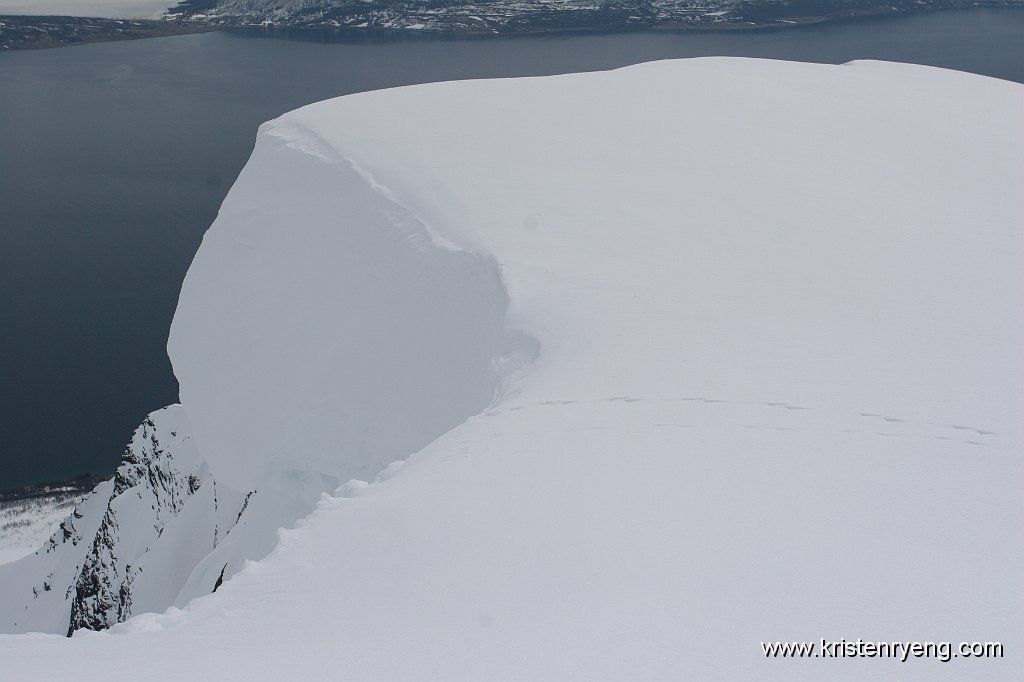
(302, 139)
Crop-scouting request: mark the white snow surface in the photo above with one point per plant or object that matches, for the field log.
(26, 524)
(162, 532)
(109, 9)
(778, 394)
(9, 554)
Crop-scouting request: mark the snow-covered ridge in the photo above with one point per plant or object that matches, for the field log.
(159, 533)
(26, 523)
(89, 573)
(777, 395)
(389, 380)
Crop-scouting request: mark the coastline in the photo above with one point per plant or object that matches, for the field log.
(18, 32)
(73, 486)
(43, 32)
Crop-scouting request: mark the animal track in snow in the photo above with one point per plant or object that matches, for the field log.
(801, 419)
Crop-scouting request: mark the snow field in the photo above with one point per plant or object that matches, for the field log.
(775, 313)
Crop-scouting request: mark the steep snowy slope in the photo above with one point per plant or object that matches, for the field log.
(27, 523)
(160, 533)
(86, 574)
(775, 316)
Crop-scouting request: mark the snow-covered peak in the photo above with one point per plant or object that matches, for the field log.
(89, 573)
(774, 312)
(699, 227)
(158, 534)
(751, 230)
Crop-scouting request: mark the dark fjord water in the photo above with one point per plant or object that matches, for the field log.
(114, 158)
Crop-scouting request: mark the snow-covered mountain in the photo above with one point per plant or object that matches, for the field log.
(688, 356)
(29, 515)
(158, 534)
(516, 16)
(86, 574)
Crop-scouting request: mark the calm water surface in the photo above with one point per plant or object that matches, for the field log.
(115, 157)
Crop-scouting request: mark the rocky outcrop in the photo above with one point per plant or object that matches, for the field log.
(159, 472)
(158, 534)
(121, 548)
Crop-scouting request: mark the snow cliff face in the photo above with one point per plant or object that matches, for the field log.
(777, 394)
(355, 336)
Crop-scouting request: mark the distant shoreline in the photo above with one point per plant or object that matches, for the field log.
(78, 485)
(42, 32)
(19, 32)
